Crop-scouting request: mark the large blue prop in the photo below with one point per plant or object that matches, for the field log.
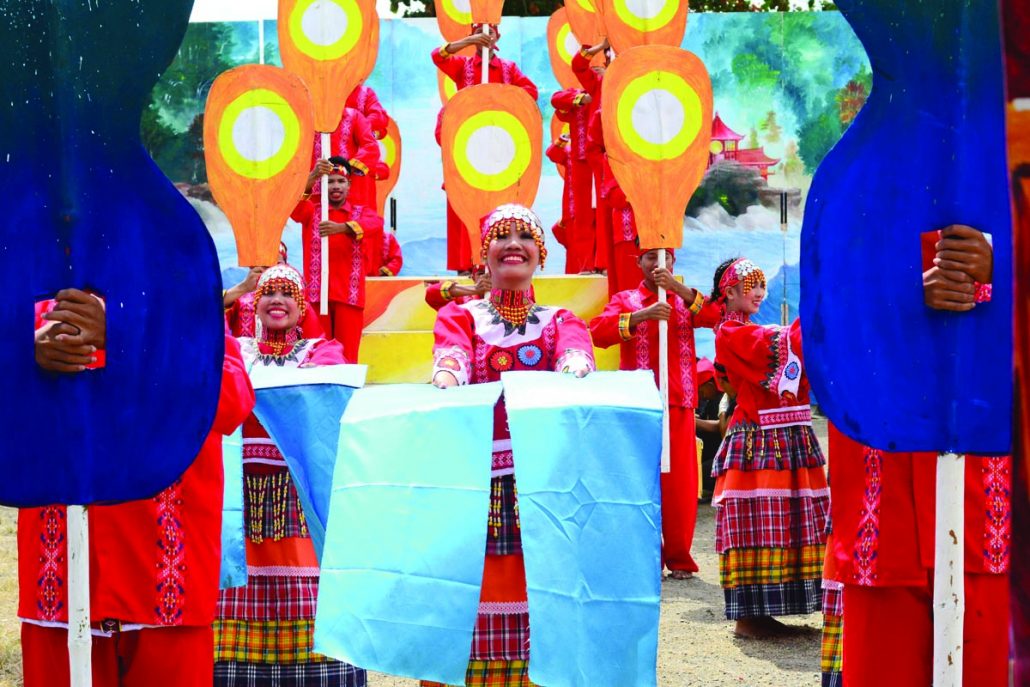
(927, 150)
(587, 454)
(301, 409)
(86, 207)
(233, 570)
(403, 561)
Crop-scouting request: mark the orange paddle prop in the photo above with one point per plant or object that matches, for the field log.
(390, 154)
(332, 45)
(258, 125)
(487, 11)
(444, 86)
(630, 23)
(492, 152)
(586, 21)
(454, 17)
(656, 110)
(562, 46)
(558, 127)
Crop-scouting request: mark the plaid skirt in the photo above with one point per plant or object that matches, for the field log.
(769, 582)
(329, 674)
(493, 674)
(832, 655)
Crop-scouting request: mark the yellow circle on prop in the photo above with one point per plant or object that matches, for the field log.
(452, 11)
(335, 50)
(271, 166)
(674, 85)
(561, 39)
(663, 17)
(519, 163)
(716, 147)
(390, 151)
(586, 5)
(449, 88)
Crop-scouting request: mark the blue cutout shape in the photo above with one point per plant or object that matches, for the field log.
(587, 455)
(405, 548)
(927, 150)
(233, 569)
(87, 208)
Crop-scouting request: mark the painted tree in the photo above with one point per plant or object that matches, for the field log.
(771, 129)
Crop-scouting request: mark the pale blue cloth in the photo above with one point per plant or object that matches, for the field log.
(587, 459)
(403, 562)
(301, 410)
(233, 572)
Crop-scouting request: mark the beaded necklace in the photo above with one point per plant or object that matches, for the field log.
(513, 306)
(280, 341)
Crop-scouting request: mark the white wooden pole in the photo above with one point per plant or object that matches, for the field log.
(323, 299)
(79, 638)
(486, 55)
(663, 371)
(949, 595)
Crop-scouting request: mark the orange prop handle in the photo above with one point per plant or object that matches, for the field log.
(631, 23)
(656, 110)
(454, 18)
(258, 125)
(486, 11)
(586, 21)
(492, 152)
(390, 154)
(332, 45)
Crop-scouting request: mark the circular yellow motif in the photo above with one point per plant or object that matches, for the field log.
(562, 40)
(586, 5)
(652, 23)
(389, 151)
(716, 147)
(675, 143)
(452, 11)
(340, 47)
(519, 144)
(236, 159)
(449, 88)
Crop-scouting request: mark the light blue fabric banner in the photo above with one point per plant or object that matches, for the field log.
(233, 572)
(587, 457)
(301, 409)
(403, 562)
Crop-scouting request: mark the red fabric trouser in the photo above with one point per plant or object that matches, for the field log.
(623, 270)
(679, 492)
(459, 248)
(580, 236)
(888, 634)
(180, 656)
(344, 323)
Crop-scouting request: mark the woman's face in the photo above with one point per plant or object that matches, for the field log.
(278, 311)
(747, 303)
(512, 259)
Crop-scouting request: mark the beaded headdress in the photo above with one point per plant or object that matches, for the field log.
(512, 217)
(742, 271)
(341, 170)
(282, 278)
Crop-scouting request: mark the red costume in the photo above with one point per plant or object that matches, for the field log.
(558, 153)
(242, 319)
(355, 142)
(639, 351)
(581, 248)
(154, 568)
(346, 267)
(364, 100)
(464, 72)
(592, 83)
(883, 510)
(621, 227)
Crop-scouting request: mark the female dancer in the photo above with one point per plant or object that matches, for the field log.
(476, 342)
(770, 493)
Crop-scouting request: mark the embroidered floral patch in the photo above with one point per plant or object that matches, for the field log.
(792, 371)
(502, 360)
(530, 355)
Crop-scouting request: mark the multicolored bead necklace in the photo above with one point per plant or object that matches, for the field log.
(513, 306)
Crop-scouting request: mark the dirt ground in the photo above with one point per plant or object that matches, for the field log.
(696, 642)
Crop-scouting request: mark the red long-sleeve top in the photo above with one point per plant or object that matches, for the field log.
(353, 140)
(570, 107)
(639, 345)
(364, 100)
(346, 256)
(153, 562)
(390, 259)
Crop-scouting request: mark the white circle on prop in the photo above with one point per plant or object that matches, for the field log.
(571, 43)
(324, 22)
(258, 133)
(463, 6)
(382, 150)
(490, 150)
(658, 116)
(646, 9)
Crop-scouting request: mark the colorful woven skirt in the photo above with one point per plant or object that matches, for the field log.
(772, 503)
(493, 674)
